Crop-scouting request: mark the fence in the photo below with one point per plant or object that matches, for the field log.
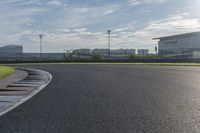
(64, 57)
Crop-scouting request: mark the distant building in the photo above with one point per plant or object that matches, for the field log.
(84, 51)
(114, 51)
(11, 50)
(143, 52)
(179, 45)
(196, 54)
(100, 51)
(123, 51)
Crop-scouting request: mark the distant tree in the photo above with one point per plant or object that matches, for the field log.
(71, 53)
(96, 57)
(151, 56)
(132, 56)
(76, 52)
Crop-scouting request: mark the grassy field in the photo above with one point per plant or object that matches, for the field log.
(6, 71)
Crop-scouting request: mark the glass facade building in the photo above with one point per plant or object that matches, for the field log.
(182, 44)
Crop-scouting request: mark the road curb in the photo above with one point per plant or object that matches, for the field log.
(35, 87)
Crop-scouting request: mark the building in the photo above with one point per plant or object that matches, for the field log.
(123, 51)
(114, 51)
(179, 45)
(100, 51)
(143, 52)
(11, 50)
(84, 51)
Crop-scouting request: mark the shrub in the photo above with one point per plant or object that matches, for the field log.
(97, 57)
(6, 71)
(132, 56)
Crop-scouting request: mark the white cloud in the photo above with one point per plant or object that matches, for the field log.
(65, 30)
(80, 30)
(174, 25)
(121, 29)
(93, 11)
(137, 2)
(55, 2)
(134, 2)
(80, 10)
(19, 2)
(109, 11)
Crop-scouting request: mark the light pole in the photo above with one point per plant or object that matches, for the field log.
(41, 37)
(156, 50)
(108, 32)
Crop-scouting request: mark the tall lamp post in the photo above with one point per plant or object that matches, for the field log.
(156, 50)
(41, 37)
(108, 32)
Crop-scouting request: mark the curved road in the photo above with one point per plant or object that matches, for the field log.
(111, 99)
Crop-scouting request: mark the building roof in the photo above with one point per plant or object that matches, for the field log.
(192, 34)
(13, 45)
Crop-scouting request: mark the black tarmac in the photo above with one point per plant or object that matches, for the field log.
(111, 99)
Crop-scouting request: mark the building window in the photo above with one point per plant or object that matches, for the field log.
(171, 42)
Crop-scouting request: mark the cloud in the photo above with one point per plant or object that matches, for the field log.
(55, 3)
(65, 30)
(121, 29)
(108, 11)
(80, 10)
(18, 3)
(80, 30)
(94, 11)
(137, 2)
(174, 25)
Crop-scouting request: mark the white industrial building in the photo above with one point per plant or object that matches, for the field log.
(84, 51)
(100, 51)
(123, 51)
(119, 52)
(185, 45)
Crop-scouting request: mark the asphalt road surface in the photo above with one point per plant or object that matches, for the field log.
(111, 99)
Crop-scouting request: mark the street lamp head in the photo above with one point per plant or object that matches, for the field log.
(109, 31)
(41, 36)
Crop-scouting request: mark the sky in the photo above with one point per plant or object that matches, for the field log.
(74, 24)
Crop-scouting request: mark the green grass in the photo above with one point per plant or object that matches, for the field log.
(6, 71)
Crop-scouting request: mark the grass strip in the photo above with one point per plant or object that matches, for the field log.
(6, 71)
